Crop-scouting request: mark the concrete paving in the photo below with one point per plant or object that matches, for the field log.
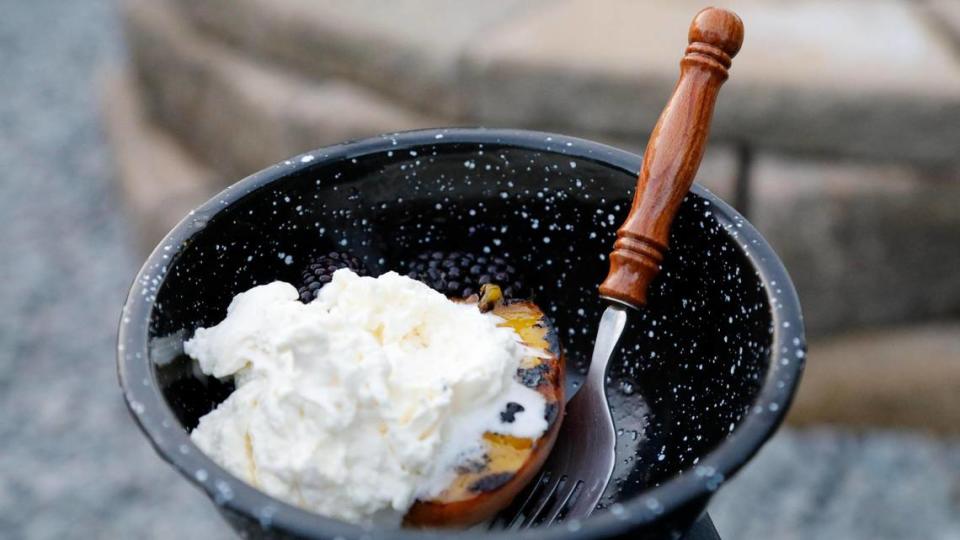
(72, 464)
(822, 484)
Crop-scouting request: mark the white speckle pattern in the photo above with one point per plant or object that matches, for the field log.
(224, 492)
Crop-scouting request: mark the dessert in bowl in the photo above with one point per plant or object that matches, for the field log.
(382, 401)
(701, 378)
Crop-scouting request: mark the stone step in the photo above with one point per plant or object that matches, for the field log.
(806, 79)
(159, 181)
(237, 114)
(945, 15)
(866, 244)
(894, 378)
(410, 49)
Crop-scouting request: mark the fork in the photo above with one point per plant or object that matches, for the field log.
(576, 474)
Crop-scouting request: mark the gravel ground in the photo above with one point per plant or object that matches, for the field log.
(72, 464)
(823, 484)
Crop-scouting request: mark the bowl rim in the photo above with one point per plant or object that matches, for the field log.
(690, 488)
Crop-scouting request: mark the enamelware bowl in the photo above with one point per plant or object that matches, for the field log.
(701, 380)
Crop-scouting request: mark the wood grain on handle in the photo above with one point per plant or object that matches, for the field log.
(673, 156)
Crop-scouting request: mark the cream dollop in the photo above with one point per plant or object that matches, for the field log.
(364, 400)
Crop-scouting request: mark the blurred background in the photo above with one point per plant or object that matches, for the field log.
(838, 136)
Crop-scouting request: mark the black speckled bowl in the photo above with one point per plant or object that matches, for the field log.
(703, 377)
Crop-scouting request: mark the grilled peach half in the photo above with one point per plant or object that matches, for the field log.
(483, 489)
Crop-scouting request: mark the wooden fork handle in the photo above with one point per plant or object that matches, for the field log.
(673, 156)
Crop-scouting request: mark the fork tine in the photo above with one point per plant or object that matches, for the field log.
(509, 517)
(562, 501)
(589, 495)
(556, 484)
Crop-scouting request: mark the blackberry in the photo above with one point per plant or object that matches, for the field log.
(458, 273)
(320, 271)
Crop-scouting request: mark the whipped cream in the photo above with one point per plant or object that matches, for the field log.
(363, 401)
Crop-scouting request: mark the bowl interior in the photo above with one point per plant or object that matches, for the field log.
(690, 365)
